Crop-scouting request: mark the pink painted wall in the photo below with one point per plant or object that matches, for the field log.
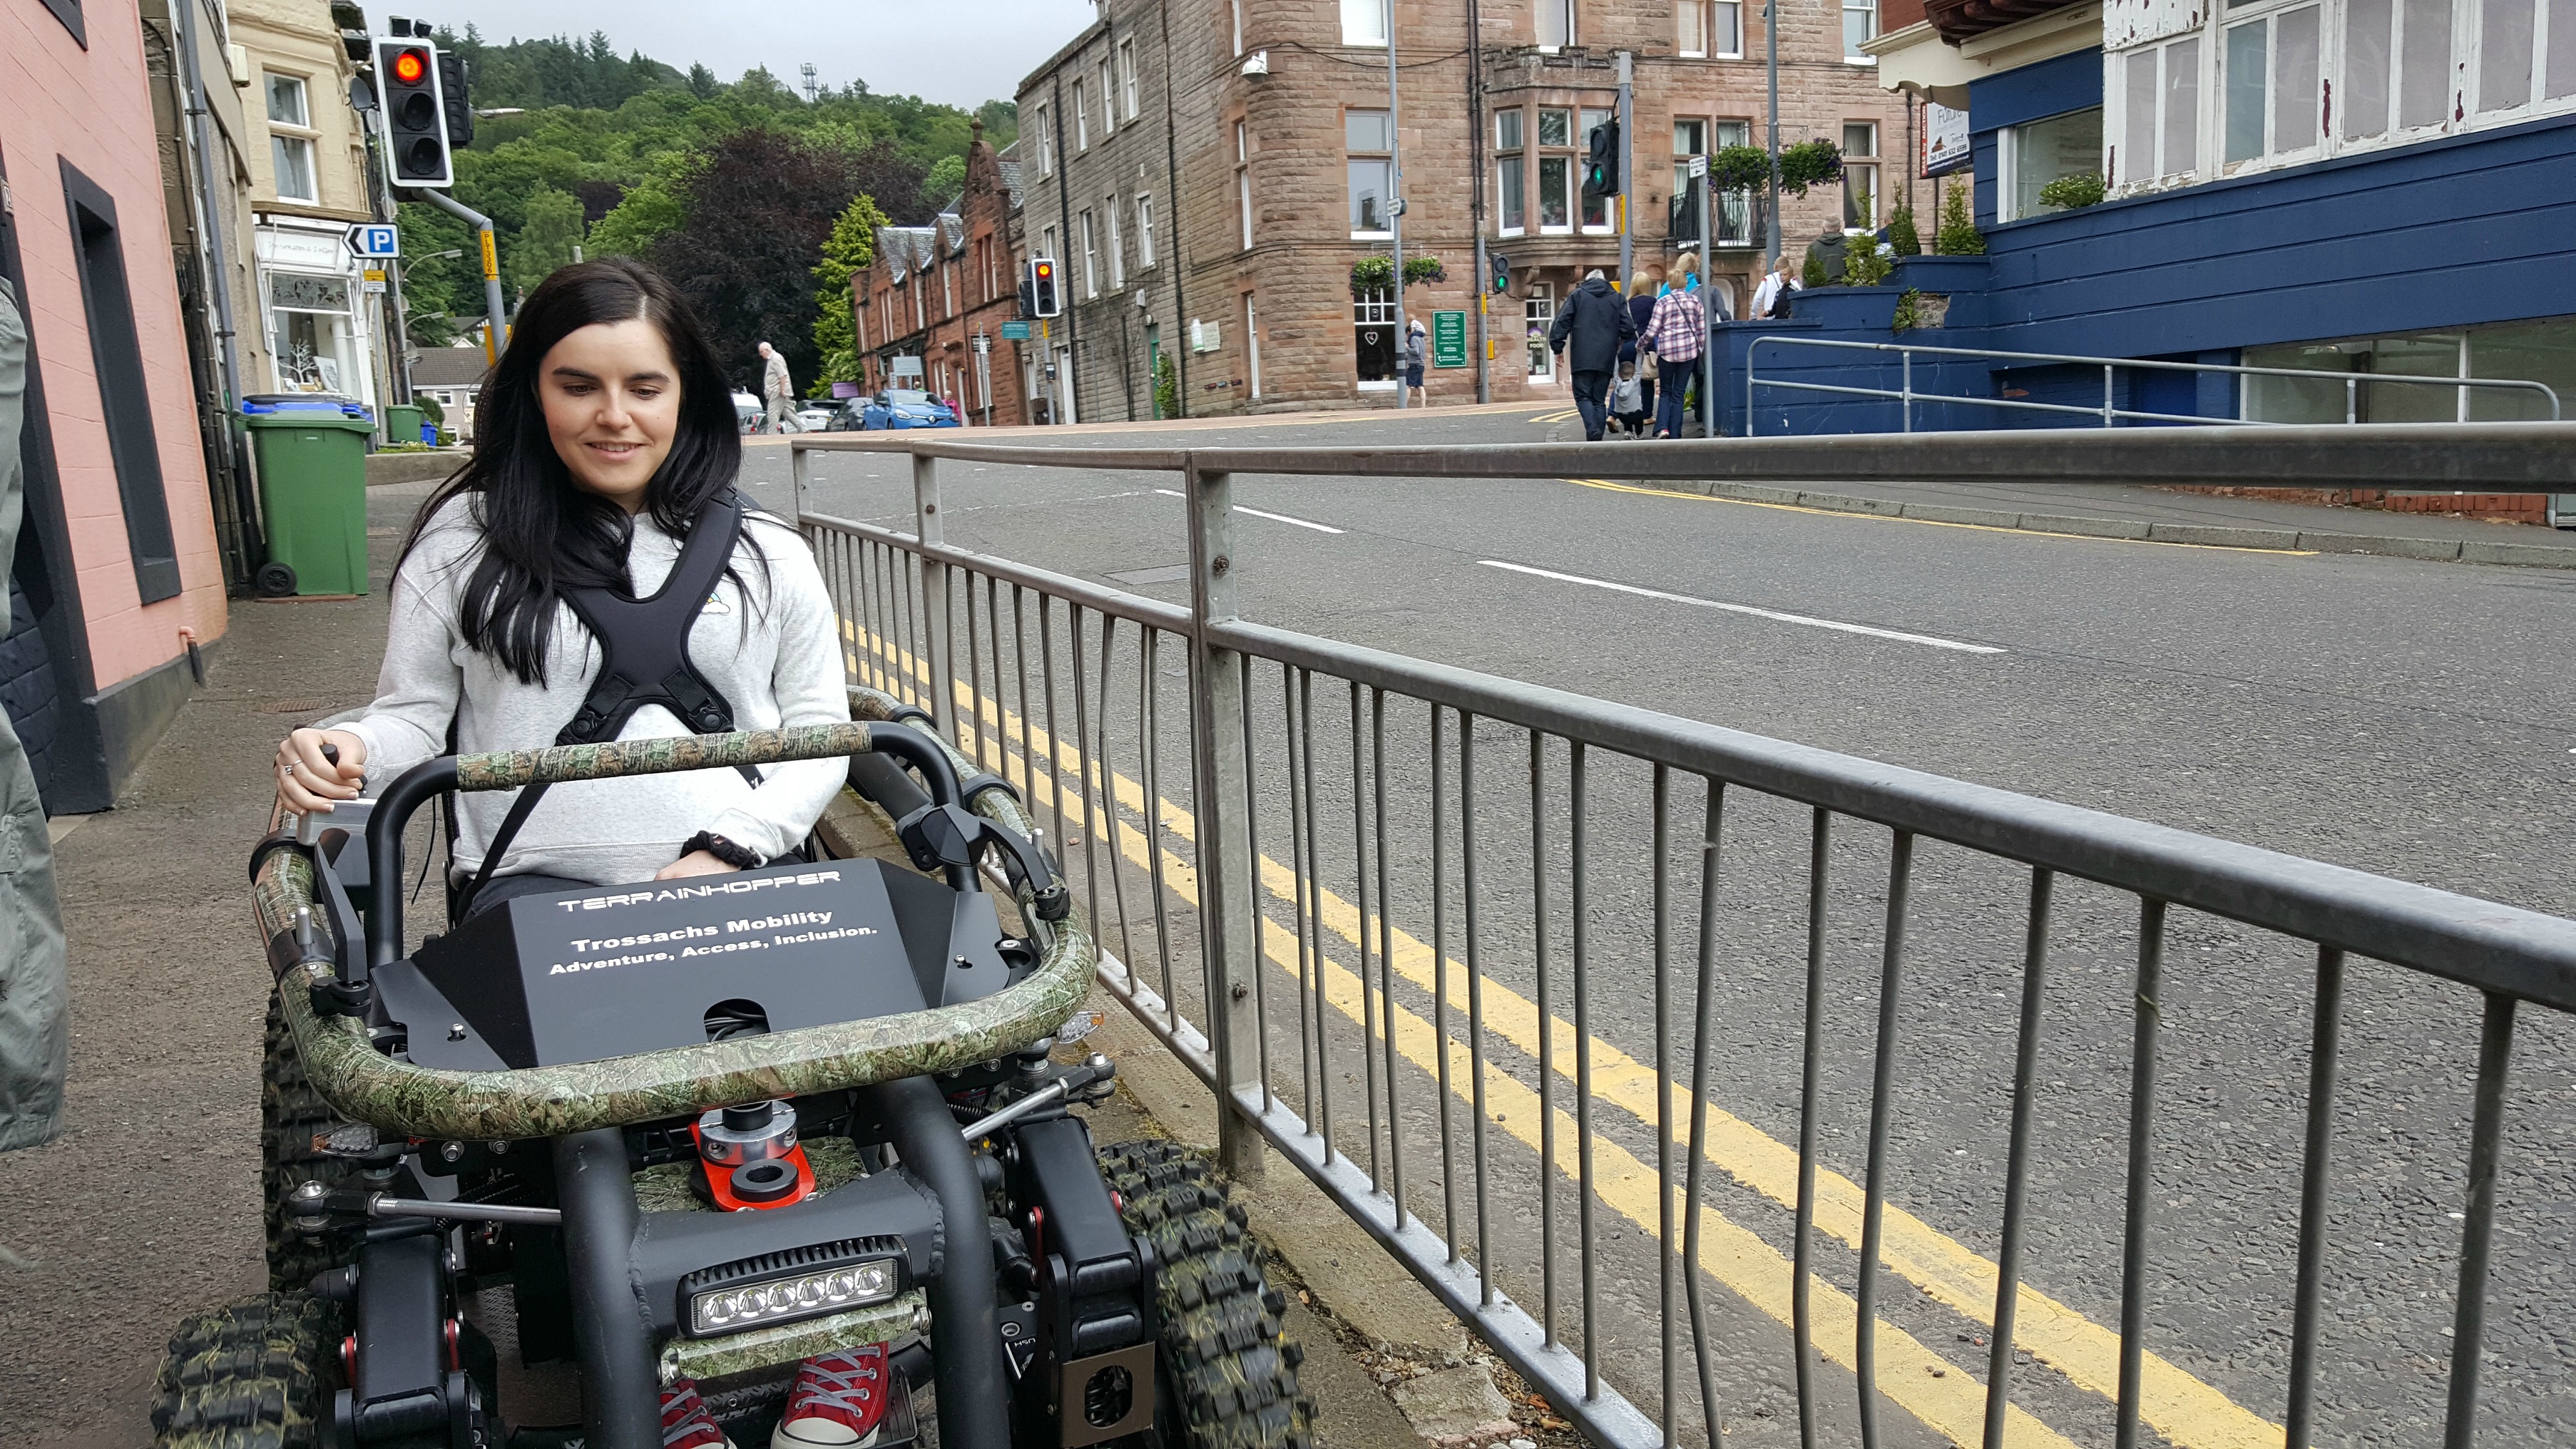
(90, 107)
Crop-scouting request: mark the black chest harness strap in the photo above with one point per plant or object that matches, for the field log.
(643, 659)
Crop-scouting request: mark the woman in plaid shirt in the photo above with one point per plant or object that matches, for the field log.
(1675, 333)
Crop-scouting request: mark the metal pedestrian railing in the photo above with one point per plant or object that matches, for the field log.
(1507, 971)
(2109, 413)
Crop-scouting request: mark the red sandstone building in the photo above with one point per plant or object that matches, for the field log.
(940, 294)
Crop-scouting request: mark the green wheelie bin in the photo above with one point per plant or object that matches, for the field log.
(312, 455)
(402, 423)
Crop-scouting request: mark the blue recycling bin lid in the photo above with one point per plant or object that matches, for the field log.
(265, 404)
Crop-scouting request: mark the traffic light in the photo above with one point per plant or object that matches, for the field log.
(416, 121)
(1043, 301)
(458, 101)
(1502, 272)
(1601, 162)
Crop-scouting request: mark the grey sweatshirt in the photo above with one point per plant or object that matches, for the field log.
(774, 659)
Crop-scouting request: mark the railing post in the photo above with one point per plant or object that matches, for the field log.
(2106, 395)
(2352, 399)
(800, 467)
(1904, 396)
(1229, 913)
(930, 528)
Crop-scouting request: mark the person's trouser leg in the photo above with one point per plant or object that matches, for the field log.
(34, 998)
(1646, 399)
(1668, 410)
(1588, 387)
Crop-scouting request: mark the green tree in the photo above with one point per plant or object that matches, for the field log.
(546, 239)
(852, 245)
(1958, 236)
(648, 212)
(945, 181)
(703, 82)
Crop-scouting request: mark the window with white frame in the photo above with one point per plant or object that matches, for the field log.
(1127, 75)
(2292, 81)
(1047, 248)
(1252, 344)
(1860, 175)
(1081, 120)
(1690, 138)
(1555, 24)
(1598, 213)
(1243, 179)
(2272, 71)
(1144, 230)
(1555, 172)
(1108, 102)
(1734, 208)
(1860, 23)
(1090, 254)
(1364, 22)
(1511, 176)
(290, 139)
(1046, 144)
(2160, 134)
(2036, 153)
(1369, 138)
(1117, 253)
(1708, 28)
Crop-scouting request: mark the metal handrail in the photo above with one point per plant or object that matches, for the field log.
(903, 598)
(1906, 396)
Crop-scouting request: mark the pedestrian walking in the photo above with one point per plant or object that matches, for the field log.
(35, 1042)
(1628, 402)
(1641, 305)
(1676, 331)
(1415, 335)
(1590, 328)
(1831, 252)
(780, 391)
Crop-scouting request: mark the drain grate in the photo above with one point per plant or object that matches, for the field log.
(296, 706)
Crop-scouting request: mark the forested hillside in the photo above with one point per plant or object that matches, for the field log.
(732, 187)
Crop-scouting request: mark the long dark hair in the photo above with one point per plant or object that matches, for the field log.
(542, 532)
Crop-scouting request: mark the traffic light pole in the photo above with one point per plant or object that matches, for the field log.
(495, 340)
(1771, 37)
(1627, 213)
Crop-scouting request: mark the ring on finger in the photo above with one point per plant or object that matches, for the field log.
(290, 767)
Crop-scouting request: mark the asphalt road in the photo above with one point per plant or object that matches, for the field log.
(2394, 716)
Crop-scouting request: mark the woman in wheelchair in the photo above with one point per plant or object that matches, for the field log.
(596, 538)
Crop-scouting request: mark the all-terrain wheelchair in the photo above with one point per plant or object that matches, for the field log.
(584, 1146)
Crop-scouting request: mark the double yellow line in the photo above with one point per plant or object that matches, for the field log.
(1944, 1395)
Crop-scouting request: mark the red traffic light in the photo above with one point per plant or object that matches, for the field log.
(411, 67)
(1046, 269)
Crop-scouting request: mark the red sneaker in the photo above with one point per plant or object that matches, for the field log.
(685, 1422)
(837, 1401)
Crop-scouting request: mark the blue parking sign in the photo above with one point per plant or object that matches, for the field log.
(367, 239)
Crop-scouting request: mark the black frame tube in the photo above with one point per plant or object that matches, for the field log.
(621, 1392)
(975, 1393)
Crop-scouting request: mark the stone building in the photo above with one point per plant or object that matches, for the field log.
(1101, 164)
(1280, 146)
(940, 294)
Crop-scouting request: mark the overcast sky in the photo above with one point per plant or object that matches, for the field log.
(963, 54)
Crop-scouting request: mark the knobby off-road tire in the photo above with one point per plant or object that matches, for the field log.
(247, 1377)
(290, 1112)
(1229, 1376)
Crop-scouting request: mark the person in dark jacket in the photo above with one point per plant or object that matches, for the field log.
(34, 999)
(1595, 321)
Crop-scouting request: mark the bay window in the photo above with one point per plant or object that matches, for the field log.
(2271, 88)
(1510, 177)
(1555, 172)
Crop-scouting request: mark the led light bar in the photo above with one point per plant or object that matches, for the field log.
(734, 1308)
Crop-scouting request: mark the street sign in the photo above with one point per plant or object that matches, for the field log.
(367, 239)
(1015, 332)
(907, 367)
(1698, 167)
(1448, 339)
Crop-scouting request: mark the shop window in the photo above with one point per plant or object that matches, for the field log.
(124, 394)
(1538, 313)
(2043, 151)
(1369, 138)
(1511, 175)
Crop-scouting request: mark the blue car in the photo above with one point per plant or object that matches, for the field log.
(906, 408)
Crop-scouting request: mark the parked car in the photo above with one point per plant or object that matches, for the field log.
(816, 417)
(906, 408)
(746, 410)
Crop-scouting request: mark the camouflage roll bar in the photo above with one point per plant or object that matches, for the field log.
(396, 1096)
